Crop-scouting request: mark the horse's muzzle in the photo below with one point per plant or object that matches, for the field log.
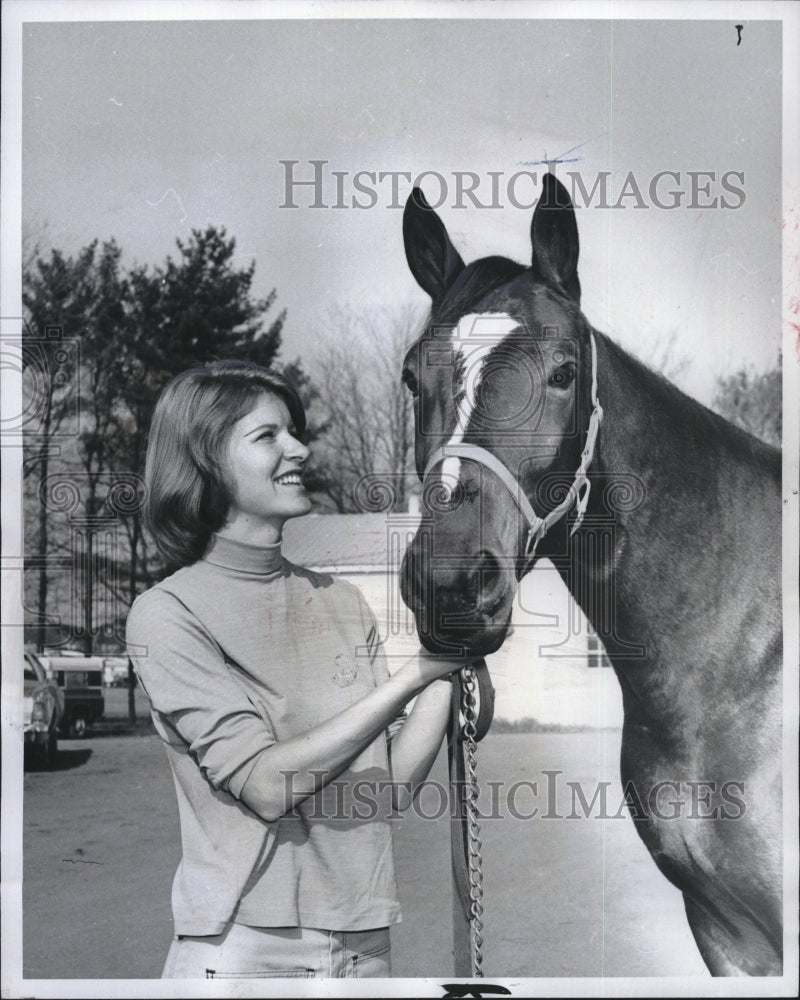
(461, 605)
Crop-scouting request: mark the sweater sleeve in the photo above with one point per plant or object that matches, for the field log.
(193, 692)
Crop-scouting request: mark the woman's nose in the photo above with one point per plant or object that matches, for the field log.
(296, 450)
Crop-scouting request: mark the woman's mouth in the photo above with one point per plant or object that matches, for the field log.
(289, 479)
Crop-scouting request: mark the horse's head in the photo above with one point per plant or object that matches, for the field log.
(502, 382)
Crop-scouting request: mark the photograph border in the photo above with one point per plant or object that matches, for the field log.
(15, 13)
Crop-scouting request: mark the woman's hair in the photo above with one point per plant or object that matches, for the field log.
(188, 487)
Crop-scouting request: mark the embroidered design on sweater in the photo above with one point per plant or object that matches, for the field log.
(347, 672)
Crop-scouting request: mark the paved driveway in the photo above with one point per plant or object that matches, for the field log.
(563, 897)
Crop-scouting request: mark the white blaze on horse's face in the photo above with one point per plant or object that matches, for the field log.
(473, 338)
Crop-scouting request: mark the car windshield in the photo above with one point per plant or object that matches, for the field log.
(30, 673)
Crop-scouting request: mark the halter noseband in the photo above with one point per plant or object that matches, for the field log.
(578, 492)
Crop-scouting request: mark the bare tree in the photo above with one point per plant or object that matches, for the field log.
(364, 408)
(56, 295)
(753, 401)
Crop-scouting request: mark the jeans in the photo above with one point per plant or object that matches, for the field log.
(243, 952)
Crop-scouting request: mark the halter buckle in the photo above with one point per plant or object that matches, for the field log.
(583, 488)
(535, 535)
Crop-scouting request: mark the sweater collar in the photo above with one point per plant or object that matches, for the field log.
(229, 554)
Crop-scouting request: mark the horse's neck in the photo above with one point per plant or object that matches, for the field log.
(679, 498)
(693, 466)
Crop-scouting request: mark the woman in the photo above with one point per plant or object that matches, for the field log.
(268, 685)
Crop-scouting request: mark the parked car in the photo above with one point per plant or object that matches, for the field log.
(115, 671)
(80, 679)
(44, 712)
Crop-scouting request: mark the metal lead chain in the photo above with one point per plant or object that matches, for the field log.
(474, 831)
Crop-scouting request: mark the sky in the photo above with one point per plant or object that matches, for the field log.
(145, 130)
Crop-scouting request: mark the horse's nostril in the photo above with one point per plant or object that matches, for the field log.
(487, 580)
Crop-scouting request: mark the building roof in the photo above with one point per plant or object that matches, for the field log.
(346, 541)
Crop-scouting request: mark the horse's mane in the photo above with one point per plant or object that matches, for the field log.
(688, 413)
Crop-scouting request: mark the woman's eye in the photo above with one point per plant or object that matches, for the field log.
(563, 376)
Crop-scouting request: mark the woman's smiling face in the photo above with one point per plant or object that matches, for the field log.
(264, 465)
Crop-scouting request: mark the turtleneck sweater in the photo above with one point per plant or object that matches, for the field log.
(235, 652)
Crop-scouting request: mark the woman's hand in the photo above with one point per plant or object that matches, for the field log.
(430, 667)
(442, 664)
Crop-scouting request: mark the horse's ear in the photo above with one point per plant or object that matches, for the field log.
(554, 236)
(434, 261)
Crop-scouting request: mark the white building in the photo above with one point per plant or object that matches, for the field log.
(549, 669)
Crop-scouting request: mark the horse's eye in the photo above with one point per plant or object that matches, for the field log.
(564, 376)
(410, 382)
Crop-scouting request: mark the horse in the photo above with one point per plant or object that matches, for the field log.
(538, 436)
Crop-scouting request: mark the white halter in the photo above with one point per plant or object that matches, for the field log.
(578, 492)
